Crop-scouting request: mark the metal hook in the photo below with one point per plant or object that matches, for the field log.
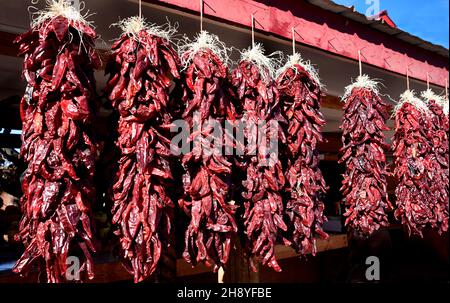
(329, 42)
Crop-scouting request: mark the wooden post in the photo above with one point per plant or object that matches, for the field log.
(167, 268)
(237, 269)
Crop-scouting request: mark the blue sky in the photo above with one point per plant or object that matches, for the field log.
(427, 19)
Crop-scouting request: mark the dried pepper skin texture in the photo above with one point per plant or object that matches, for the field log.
(365, 185)
(59, 147)
(438, 160)
(142, 71)
(420, 178)
(206, 179)
(263, 185)
(305, 186)
(410, 150)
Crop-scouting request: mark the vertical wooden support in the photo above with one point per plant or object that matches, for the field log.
(167, 269)
(237, 269)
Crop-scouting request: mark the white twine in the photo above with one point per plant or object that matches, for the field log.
(428, 95)
(359, 63)
(296, 59)
(133, 25)
(445, 106)
(293, 40)
(64, 8)
(189, 48)
(201, 15)
(270, 63)
(363, 81)
(140, 9)
(409, 97)
(253, 30)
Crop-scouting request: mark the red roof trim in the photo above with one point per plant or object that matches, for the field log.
(384, 16)
(327, 31)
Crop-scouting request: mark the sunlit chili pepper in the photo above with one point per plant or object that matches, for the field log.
(57, 111)
(365, 185)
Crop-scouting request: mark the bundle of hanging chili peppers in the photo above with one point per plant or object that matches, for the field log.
(438, 158)
(412, 165)
(207, 170)
(142, 69)
(300, 94)
(57, 111)
(365, 180)
(264, 178)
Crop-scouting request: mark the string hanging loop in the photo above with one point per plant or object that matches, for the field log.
(201, 15)
(293, 41)
(253, 30)
(359, 63)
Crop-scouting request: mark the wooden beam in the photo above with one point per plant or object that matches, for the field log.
(331, 102)
(332, 243)
(114, 271)
(7, 47)
(281, 251)
(331, 144)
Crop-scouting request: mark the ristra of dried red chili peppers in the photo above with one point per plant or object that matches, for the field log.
(365, 185)
(264, 182)
(207, 171)
(411, 146)
(438, 158)
(57, 110)
(142, 68)
(300, 93)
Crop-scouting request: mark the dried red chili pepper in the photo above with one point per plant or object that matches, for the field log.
(206, 178)
(57, 110)
(438, 159)
(421, 148)
(264, 181)
(412, 164)
(305, 187)
(142, 69)
(364, 186)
